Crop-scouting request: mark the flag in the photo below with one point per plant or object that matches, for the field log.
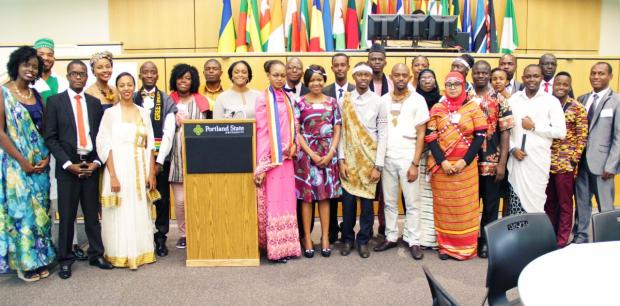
(276, 37)
(444, 8)
(339, 26)
(253, 27)
(491, 28)
(466, 24)
(327, 26)
(456, 11)
(304, 26)
(390, 7)
(291, 27)
(424, 6)
(352, 34)
(364, 42)
(400, 9)
(376, 7)
(510, 36)
(241, 44)
(480, 34)
(317, 32)
(265, 23)
(226, 40)
(433, 7)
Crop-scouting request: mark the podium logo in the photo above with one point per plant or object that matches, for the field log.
(198, 130)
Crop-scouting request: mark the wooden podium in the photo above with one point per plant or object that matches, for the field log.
(220, 196)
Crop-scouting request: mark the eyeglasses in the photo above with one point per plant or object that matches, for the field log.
(453, 85)
(75, 74)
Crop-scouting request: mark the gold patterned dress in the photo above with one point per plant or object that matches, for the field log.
(126, 224)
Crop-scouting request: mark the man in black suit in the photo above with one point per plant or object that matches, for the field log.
(162, 110)
(294, 72)
(508, 63)
(336, 90)
(72, 122)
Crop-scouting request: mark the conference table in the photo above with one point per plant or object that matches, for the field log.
(579, 274)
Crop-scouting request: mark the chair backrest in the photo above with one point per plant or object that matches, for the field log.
(606, 226)
(513, 242)
(440, 295)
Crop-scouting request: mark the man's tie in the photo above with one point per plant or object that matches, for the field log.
(148, 94)
(293, 90)
(592, 107)
(340, 94)
(80, 120)
(546, 87)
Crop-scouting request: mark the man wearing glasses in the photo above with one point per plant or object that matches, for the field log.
(294, 72)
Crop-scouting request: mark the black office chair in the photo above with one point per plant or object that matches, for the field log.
(440, 295)
(606, 226)
(514, 242)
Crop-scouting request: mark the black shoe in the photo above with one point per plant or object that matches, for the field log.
(483, 250)
(181, 243)
(309, 253)
(416, 252)
(160, 247)
(326, 252)
(78, 253)
(102, 263)
(279, 261)
(363, 250)
(346, 249)
(65, 271)
(385, 245)
(443, 256)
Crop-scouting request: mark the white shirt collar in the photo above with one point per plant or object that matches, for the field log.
(601, 93)
(72, 93)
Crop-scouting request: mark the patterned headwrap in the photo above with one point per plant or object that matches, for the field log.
(100, 55)
(44, 43)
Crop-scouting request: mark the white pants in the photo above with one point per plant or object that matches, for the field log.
(394, 175)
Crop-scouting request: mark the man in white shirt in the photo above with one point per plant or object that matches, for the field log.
(162, 110)
(407, 117)
(549, 64)
(538, 119)
(361, 154)
(601, 160)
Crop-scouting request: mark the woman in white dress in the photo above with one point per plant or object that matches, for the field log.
(237, 102)
(125, 144)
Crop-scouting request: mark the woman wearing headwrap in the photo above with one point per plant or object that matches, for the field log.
(101, 67)
(455, 133)
(428, 88)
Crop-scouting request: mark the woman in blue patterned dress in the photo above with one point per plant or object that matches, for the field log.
(316, 167)
(25, 224)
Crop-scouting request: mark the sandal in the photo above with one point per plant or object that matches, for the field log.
(28, 276)
(43, 272)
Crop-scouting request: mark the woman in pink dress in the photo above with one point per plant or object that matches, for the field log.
(274, 175)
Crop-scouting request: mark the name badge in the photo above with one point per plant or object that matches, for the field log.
(455, 118)
(396, 107)
(606, 113)
(318, 106)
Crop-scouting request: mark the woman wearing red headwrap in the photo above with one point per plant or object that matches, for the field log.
(455, 133)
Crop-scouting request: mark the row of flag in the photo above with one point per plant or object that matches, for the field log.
(262, 28)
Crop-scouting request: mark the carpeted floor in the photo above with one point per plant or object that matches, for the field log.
(388, 278)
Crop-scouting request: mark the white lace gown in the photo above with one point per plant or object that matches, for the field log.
(126, 224)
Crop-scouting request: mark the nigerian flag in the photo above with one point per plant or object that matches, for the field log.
(510, 36)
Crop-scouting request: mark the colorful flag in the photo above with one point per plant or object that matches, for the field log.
(456, 11)
(480, 36)
(265, 23)
(510, 36)
(276, 37)
(376, 7)
(291, 27)
(466, 24)
(444, 8)
(304, 27)
(433, 7)
(327, 26)
(352, 34)
(400, 9)
(253, 27)
(492, 45)
(226, 40)
(339, 26)
(241, 44)
(390, 7)
(364, 42)
(317, 32)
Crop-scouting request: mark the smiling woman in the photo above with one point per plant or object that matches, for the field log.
(101, 65)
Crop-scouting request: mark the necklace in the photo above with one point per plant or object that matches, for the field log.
(108, 95)
(19, 93)
(398, 99)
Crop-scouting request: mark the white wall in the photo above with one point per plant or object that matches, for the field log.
(65, 21)
(610, 23)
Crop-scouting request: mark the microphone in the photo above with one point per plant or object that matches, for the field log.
(523, 142)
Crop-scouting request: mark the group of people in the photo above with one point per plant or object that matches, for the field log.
(115, 149)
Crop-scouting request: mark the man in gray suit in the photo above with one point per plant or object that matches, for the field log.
(601, 161)
(508, 63)
(336, 90)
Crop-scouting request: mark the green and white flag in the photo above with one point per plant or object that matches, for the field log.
(338, 31)
(364, 42)
(510, 36)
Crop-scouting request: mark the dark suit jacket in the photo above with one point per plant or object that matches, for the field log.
(330, 90)
(304, 90)
(61, 131)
